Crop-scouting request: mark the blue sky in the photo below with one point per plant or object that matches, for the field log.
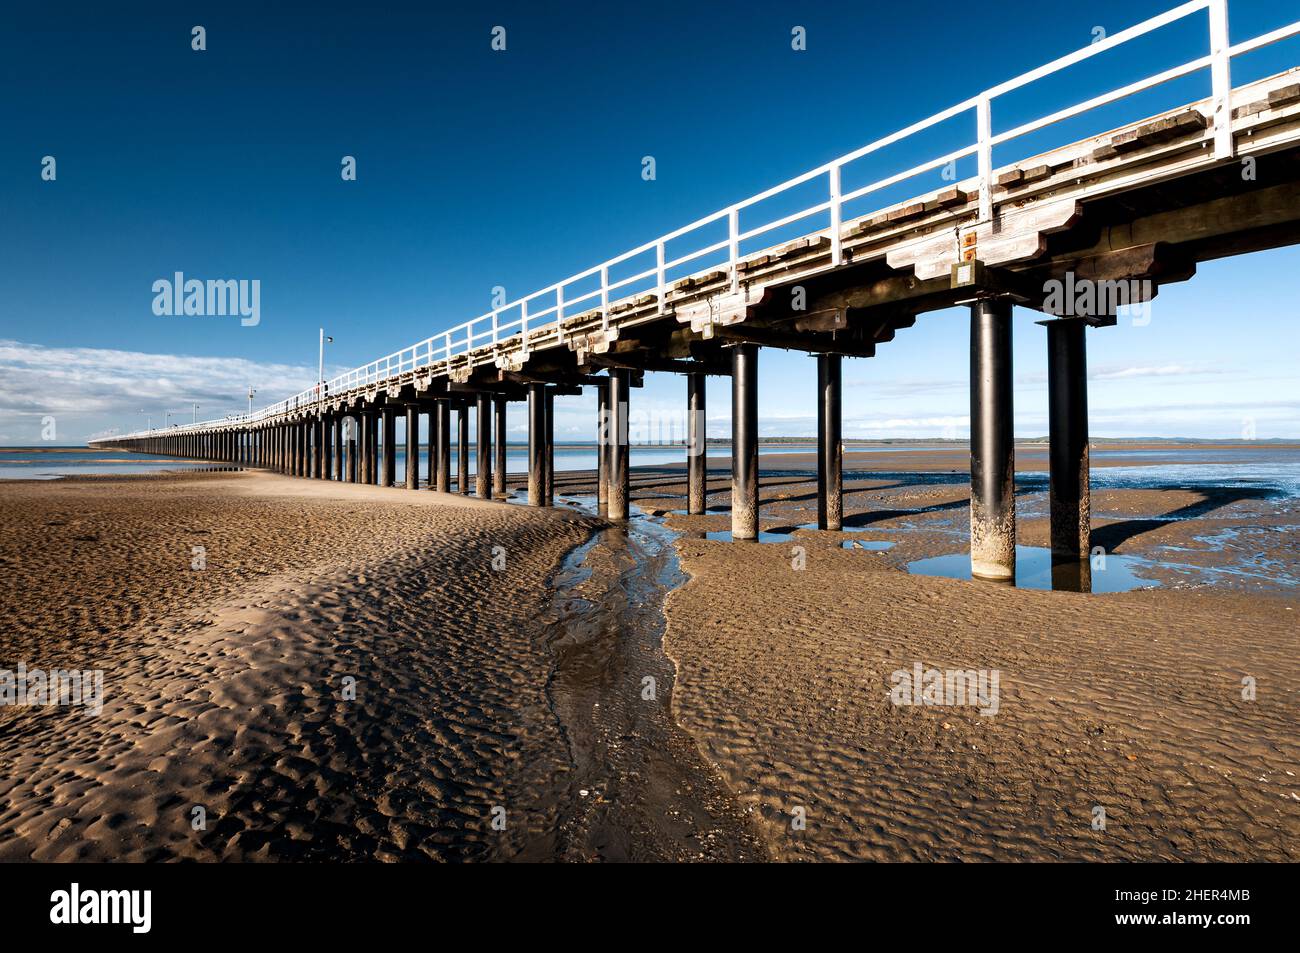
(479, 168)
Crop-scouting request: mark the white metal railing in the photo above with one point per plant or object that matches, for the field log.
(488, 330)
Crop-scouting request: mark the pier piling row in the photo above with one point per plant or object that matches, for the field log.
(358, 443)
(1141, 205)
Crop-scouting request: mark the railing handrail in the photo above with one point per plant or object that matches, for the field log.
(463, 336)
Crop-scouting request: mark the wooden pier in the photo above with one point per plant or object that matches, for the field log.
(1134, 208)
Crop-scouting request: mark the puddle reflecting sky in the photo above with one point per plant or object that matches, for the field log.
(875, 545)
(724, 536)
(1034, 570)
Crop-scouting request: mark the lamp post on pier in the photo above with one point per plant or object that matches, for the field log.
(320, 366)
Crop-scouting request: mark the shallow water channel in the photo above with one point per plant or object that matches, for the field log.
(639, 788)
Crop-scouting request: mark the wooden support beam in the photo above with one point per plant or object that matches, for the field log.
(893, 290)
(765, 337)
(649, 362)
(831, 319)
(473, 388)
(569, 378)
(1205, 230)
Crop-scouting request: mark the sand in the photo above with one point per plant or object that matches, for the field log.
(1131, 702)
(1115, 701)
(521, 689)
(225, 685)
(478, 690)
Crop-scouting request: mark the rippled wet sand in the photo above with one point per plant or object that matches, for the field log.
(1131, 703)
(482, 690)
(226, 686)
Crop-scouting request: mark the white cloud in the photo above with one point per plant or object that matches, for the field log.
(1114, 373)
(1122, 372)
(882, 388)
(90, 390)
(904, 423)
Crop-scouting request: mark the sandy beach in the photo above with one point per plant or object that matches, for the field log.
(1127, 701)
(519, 686)
(225, 685)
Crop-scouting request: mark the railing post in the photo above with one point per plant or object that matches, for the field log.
(523, 327)
(659, 273)
(1221, 78)
(836, 216)
(604, 297)
(984, 122)
(733, 247)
